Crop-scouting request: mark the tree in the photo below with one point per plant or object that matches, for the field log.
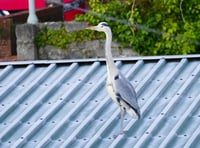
(151, 27)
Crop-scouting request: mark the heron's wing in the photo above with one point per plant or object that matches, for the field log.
(125, 90)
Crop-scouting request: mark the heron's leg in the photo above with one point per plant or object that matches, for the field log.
(122, 118)
(122, 112)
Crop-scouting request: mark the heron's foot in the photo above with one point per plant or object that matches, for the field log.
(120, 133)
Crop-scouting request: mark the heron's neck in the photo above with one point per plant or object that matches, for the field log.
(109, 59)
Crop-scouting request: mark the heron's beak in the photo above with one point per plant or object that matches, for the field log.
(91, 28)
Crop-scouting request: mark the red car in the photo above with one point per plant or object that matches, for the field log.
(69, 6)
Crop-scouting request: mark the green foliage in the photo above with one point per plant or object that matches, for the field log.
(176, 24)
(60, 38)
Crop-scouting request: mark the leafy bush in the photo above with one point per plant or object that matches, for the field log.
(176, 24)
(60, 38)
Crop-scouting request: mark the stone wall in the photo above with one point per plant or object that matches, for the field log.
(26, 49)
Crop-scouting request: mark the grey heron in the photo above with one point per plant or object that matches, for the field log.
(118, 86)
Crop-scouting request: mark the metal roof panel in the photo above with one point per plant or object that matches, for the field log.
(65, 103)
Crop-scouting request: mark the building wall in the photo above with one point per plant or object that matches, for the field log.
(27, 50)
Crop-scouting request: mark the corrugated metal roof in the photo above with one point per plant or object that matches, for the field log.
(65, 103)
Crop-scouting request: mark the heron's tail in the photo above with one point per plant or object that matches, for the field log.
(134, 113)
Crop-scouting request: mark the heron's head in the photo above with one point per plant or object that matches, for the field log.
(101, 27)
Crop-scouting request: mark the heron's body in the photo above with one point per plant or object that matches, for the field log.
(117, 98)
(118, 87)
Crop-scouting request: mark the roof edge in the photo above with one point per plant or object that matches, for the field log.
(64, 61)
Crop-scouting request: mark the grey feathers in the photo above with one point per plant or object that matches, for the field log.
(126, 92)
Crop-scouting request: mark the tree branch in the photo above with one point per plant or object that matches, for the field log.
(182, 11)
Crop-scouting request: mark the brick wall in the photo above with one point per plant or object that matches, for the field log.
(6, 43)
